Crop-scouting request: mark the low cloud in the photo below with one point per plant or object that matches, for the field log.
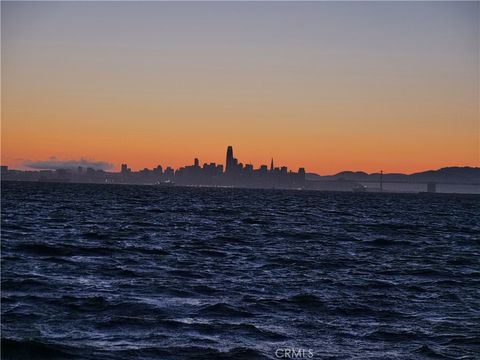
(54, 164)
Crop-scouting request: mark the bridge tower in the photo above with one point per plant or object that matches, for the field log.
(381, 180)
(432, 187)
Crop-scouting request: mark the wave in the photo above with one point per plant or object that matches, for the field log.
(433, 353)
(191, 352)
(380, 242)
(223, 310)
(307, 300)
(34, 349)
(205, 289)
(394, 336)
(64, 250)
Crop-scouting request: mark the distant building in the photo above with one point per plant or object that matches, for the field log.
(169, 174)
(125, 169)
(4, 171)
(432, 187)
(230, 160)
(231, 164)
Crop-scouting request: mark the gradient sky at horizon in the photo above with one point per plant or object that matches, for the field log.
(328, 86)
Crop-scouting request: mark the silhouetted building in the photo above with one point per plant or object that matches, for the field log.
(301, 172)
(4, 173)
(169, 174)
(230, 160)
(125, 169)
(432, 187)
(158, 170)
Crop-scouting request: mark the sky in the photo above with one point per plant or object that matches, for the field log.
(370, 86)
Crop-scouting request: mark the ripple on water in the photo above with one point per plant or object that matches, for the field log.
(142, 272)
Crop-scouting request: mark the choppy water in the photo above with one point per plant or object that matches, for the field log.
(138, 272)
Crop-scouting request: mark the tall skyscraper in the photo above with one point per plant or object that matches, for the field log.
(271, 165)
(229, 164)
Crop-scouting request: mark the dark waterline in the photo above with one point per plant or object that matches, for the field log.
(141, 272)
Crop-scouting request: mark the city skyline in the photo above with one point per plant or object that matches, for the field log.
(54, 163)
(325, 86)
(231, 165)
(234, 173)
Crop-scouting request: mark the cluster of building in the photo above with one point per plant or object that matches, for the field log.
(209, 174)
(239, 175)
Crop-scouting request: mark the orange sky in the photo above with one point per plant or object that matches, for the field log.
(149, 94)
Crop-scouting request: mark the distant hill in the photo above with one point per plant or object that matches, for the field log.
(454, 174)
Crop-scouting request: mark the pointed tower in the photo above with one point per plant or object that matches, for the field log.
(271, 165)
